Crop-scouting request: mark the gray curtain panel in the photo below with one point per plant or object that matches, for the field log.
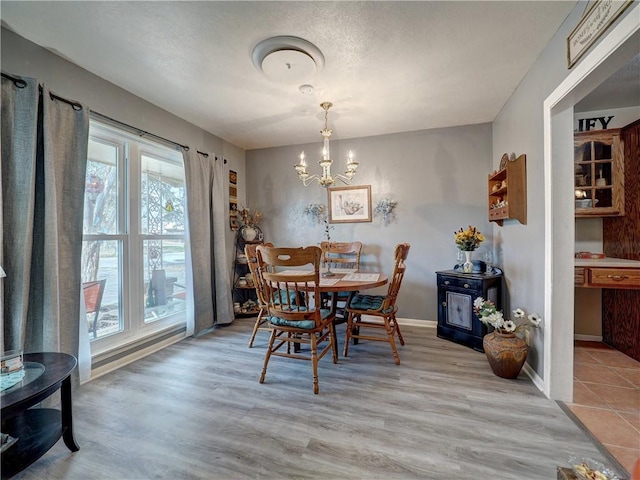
(211, 283)
(44, 156)
(18, 139)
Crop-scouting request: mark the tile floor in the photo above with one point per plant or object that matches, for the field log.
(606, 398)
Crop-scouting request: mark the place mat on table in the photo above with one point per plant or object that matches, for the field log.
(324, 282)
(361, 277)
(341, 270)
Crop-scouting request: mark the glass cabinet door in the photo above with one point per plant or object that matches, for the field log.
(598, 173)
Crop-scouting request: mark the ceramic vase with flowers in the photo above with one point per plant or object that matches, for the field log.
(250, 230)
(505, 350)
(467, 241)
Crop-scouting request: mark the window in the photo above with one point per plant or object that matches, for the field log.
(134, 237)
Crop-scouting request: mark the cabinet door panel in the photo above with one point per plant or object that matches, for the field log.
(599, 173)
(459, 310)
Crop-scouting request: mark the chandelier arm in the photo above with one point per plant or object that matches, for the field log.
(343, 179)
(310, 179)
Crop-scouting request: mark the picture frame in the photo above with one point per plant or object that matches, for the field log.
(350, 204)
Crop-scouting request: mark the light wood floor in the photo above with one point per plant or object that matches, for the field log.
(196, 411)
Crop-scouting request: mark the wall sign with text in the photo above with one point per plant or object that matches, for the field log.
(592, 25)
(596, 123)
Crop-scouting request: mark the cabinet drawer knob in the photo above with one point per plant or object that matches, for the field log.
(444, 304)
(466, 285)
(447, 282)
(617, 278)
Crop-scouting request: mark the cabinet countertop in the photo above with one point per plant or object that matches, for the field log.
(606, 262)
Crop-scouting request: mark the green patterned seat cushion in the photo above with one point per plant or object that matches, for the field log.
(342, 296)
(281, 295)
(304, 324)
(369, 302)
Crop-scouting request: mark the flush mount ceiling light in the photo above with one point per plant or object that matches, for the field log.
(288, 60)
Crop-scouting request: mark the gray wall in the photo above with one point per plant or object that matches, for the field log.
(519, 128)
(22, 57)
(438, 177)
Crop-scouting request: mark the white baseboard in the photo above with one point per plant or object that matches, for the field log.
(587, 338)
(405, 321)
(418, 323)
(137, 355)
(535, 379)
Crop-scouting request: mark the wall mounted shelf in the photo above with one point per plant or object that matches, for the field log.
(507, 198)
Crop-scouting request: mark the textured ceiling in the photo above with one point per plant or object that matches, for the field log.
(390, 66)
(622, 89)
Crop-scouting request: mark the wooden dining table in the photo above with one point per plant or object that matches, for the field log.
(346, 280)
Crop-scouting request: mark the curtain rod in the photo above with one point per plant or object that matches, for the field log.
(20, 83)
(145, 133)
(141, 132)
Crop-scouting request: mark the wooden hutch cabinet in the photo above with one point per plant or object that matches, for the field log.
(456, 294)
(599, 173)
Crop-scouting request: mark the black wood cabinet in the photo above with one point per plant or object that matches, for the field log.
(456, 294)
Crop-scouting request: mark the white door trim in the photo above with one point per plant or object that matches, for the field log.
(613, 51)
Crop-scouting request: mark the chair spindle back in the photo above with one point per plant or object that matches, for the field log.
(341, 254)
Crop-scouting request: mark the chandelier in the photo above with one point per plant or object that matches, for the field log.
(326, 179)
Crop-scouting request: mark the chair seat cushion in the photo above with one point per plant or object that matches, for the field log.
(281, 295)
(303, 324)
(343, 295)
(369, 303)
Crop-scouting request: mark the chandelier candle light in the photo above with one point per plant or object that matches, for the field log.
(327, 179)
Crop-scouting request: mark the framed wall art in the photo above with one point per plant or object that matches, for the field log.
(349, 204)
(233, 200)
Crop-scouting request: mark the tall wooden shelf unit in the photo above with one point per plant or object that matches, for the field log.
(508, 191)
(244, 290)
(599, 173)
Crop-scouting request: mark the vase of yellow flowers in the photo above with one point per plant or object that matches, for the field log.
(467, 241)
(505, 350)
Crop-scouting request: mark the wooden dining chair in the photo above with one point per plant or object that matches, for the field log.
(294, 313)
(380, 306)
(252, 260)
(93, 292)
(340, 255)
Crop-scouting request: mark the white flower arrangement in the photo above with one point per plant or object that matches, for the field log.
(384, 210)
(490, 315)
(318, 213)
